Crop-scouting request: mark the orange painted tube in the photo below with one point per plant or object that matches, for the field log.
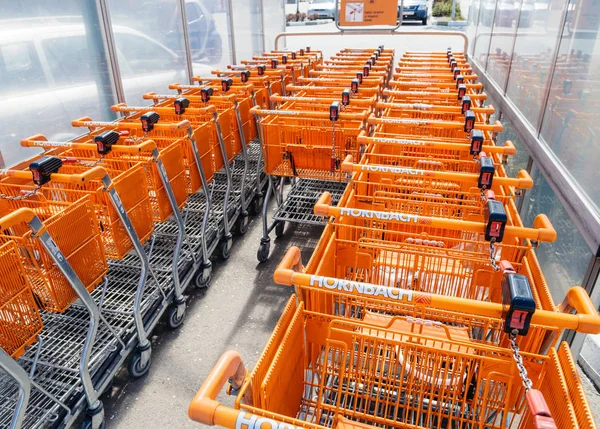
(542, 228)
(587, 321)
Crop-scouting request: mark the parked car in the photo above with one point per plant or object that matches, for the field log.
(50, 77)
(414, 10)
(205, 40)
(323, 9)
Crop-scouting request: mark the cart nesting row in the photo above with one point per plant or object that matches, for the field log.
(310, 128)
(101, 236)
(423, 304)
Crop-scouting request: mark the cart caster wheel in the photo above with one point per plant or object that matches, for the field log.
(279, 229)
(175, 315)
(242, 224)
(263, 251)
(225, 248)
(94, 419)
(135, 367)
(255, 205)
(204, 275)
(87, 423)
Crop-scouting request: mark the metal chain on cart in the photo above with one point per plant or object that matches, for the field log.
(493, 254)
(21, 197)
(527, 383)
(90, 164)
(138, 140)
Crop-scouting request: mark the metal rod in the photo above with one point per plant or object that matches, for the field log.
(376, 33)
(231, 26)
(186, 42)
(178, 294)
(14, 370)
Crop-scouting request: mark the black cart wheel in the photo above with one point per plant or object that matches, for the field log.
(174, 320)
(263, 252)
(225, 248)
(204, 276)
(242, 224)
(135, 367)
(280, 228)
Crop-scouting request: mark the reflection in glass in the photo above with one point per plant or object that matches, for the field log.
(565, 261)
(503, 35)
(518, 161)
(481, 42)
(472, 21)
(571, 124)
(150, 48)
(535, 46)
(52, 70)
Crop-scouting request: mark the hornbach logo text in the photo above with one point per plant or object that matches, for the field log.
(368, 214)
(391, 169)
(361, 288)
(255, 422)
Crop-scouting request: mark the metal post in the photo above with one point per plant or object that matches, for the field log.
(110, 49)
(186, 42)
(95, 33)
(453, 17)
(230, 26)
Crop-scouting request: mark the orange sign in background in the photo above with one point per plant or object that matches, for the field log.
(368, 12)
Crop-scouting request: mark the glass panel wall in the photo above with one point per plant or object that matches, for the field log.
(518, 161)
(472, 21)
(565, 261)
(52, 70)
(247, 28)
(535, 47)
(481, 43)
(151, 47)
(571, 123)
(208, 29)
(274, 23)
(501, 44)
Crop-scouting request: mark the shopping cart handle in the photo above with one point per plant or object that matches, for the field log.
(509, 148)
(285, 270)
(80, 122)
(149, 96)
(347, 164)
(547, 233)
(145, 146)
(204, 408)
(323, 204)
(577, 298)
(524, 180)
(121, 107)
(199, 78)
(95, 173)
(31, 141)
(22, 215)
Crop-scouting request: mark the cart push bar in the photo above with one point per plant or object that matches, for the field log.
(467, 126)
(334, 114)
(475, 147)
(494, 227)
(180, 107)
(517, 297)
(345, 97)
(435, 108)
(87, 122)
(462, 92)
(483, 180)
